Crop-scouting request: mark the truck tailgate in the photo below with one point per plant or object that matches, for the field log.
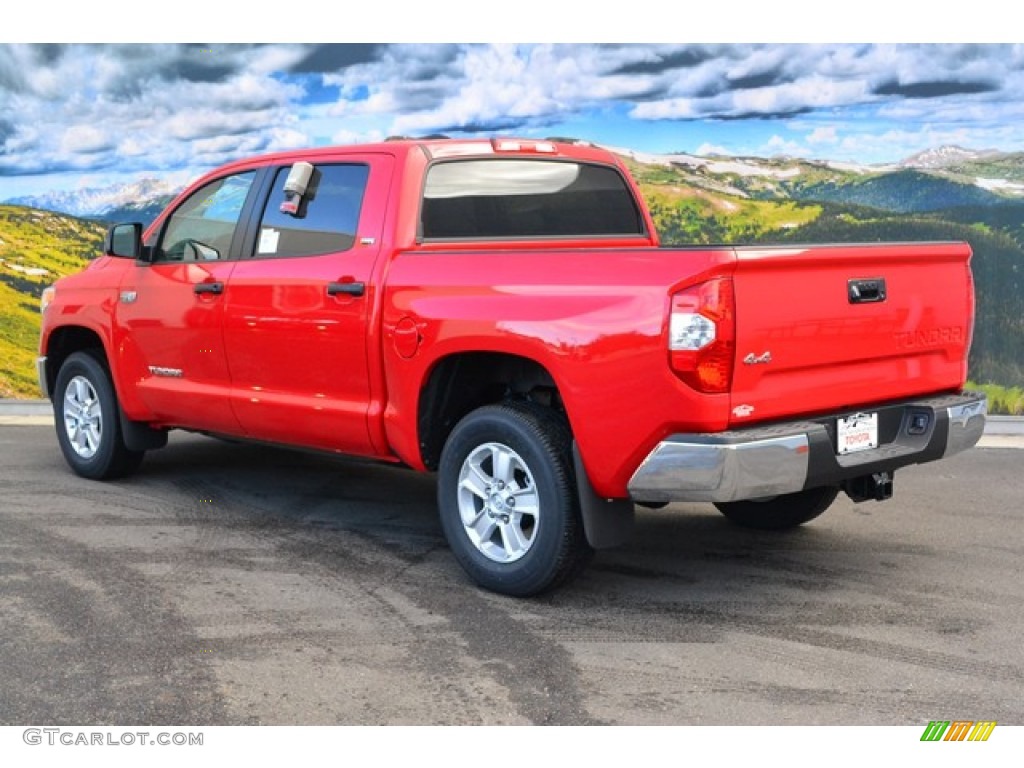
(833, 328)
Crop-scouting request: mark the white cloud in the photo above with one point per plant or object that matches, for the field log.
(287, 138)
(193, 124)
(706, 149)
(154, 107)
(823, 135)
(777, 145)
(378, 103)
(666, 109)
(499, 84)
(163, 107)
(131, 147)
(85, 139)
(346, 136)
(901, 143)
(430, 88)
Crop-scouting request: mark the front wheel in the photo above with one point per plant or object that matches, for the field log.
(780, 512)
(508, 502)
(87, 418)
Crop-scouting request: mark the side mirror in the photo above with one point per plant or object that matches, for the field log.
(124, 241)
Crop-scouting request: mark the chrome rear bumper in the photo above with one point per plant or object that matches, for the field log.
(789, 457)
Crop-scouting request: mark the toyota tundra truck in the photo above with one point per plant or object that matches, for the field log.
(500, 312)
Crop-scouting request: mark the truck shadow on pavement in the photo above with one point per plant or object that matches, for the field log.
(684, 552)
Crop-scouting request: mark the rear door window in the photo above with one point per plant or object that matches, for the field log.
(327, 217)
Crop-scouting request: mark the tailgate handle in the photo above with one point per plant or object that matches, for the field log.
(866, 291)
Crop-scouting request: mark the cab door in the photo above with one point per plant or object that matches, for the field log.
(172, 309)
(297, 311)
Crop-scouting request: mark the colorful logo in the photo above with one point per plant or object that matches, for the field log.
(958, 730)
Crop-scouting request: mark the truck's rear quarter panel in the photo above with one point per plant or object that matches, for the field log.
(594, 319)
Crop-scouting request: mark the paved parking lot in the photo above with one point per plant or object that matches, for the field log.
(230, 584)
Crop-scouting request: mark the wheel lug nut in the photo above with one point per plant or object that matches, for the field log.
(511, 502)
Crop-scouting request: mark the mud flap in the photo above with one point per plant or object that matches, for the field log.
(140, 437)
(607, 522)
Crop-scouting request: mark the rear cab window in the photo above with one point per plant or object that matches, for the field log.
(503, 199)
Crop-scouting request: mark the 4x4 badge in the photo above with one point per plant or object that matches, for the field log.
(753, 359)
(128, 297)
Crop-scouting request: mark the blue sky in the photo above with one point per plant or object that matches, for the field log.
(83, 115)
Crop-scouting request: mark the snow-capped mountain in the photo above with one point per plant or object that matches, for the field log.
(717, 164)
(142, 195)
(943, 157)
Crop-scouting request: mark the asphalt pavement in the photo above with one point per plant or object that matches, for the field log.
(236, 584)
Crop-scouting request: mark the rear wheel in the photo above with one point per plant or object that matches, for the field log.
(508, 502)
(780, 512)
(88, 420)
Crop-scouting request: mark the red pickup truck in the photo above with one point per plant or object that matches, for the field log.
(500, 312)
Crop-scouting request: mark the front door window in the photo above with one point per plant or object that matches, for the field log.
(202, 227)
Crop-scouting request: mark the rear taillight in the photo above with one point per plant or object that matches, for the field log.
(702, 335)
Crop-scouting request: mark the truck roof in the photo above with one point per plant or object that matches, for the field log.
(443, 148)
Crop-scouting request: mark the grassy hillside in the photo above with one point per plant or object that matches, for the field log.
(1007, 165)
(697, 216)
(691, 207)
(36, 247)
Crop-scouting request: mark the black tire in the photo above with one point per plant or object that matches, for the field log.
(780, 513)
(522, 550)
(88, 422)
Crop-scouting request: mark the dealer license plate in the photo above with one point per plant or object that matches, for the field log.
(857, 433)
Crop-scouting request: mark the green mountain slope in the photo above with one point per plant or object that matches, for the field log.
(36, 247)
(1008, 166)
(690, 208)
(697, 216)
(901, 192)
(1007, 218)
